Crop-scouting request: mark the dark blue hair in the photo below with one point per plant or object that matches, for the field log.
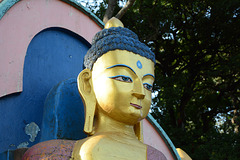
(116, 38)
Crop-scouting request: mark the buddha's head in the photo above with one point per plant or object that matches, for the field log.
(118, 77)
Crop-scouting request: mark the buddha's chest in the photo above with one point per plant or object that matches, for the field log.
(107, 150)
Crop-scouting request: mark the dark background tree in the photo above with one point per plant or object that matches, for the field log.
(197, 86)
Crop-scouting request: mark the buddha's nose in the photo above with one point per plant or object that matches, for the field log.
(138, 90)
(138, 95)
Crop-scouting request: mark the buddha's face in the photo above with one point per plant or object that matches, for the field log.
(122, 82)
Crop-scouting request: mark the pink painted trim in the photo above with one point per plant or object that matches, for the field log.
(151, 137)
(22, 22)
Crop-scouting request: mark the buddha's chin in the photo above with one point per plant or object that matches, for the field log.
(139, 113)
(131, 119)
(136, 117)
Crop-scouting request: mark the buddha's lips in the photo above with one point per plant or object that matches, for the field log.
(136, 106)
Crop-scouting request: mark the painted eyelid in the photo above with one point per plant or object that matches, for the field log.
(121, 76)
(149, 75)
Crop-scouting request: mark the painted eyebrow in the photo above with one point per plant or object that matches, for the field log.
(149, 75)
(121, 65)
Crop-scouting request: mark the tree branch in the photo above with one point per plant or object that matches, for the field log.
(110, 9)
(124, 9)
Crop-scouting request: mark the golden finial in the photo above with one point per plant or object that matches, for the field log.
(113, 22)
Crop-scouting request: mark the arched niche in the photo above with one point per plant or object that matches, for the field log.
(21, 20)
(53, 55)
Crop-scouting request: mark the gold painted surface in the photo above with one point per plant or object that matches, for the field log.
(113, 22)
(183, 155)
(119, 101)
(114, 96)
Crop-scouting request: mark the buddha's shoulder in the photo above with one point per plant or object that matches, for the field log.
(101, 145)
(53, 149)
(154, 154)
(108, 140)
(89, 144)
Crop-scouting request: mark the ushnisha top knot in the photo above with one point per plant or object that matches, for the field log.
(115, 38)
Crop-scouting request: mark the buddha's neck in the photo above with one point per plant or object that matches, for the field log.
(106, 124)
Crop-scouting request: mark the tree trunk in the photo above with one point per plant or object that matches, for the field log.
(111, 7)
(235, 121)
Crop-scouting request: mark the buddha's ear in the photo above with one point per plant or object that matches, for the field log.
(138, 128)
(86, 91)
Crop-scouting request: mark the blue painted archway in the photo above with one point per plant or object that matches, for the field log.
(54, 54)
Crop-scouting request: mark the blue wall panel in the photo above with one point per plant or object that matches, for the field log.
(63, 115)
(53, 55)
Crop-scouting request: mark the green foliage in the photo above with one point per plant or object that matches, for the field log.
(197, 72)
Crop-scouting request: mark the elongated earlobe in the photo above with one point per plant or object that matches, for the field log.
(138, 128)
(88, 97)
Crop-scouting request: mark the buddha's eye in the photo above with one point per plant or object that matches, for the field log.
(122, 78)
(148, 86)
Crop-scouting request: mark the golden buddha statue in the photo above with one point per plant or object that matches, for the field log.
(116, 91)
